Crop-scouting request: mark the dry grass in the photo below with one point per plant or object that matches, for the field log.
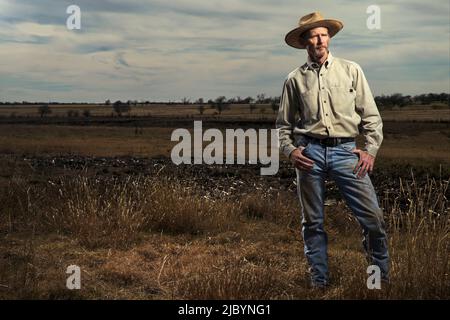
(90, 140)
(154, 238)
(419, 220)
(106, 212)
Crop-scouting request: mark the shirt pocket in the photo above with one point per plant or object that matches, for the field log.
(343, 100)
(310, 106)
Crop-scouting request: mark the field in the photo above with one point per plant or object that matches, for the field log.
(102, 193)
(433, 112)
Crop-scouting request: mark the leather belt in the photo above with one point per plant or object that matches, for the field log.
(331, 142)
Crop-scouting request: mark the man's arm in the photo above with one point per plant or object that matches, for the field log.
(371, 123)
(289, 106)
(366, 107)
(285, 122)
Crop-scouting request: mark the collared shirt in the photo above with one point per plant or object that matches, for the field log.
(331, 100)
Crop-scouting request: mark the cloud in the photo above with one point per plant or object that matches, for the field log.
(162, 50)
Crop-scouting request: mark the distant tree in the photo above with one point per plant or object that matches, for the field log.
(120, 107)
(201, 108)
(200, 101)
(44, 110)
(185, 100)
(274, 106)
(445, 98)
(108, 102)
(260, 98)
(396, 99)
(220, 104)
(248, 100)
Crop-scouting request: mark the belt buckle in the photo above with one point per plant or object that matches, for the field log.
(329, 142)
(336, 141)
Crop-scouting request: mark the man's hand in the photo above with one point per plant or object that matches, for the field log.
(300, 161)
(365, 163)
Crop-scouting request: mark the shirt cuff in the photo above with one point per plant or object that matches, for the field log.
(288, 150)
(372, 150)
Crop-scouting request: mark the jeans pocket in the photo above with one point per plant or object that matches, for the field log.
(302, 142)
(308, 144)
(348, 146)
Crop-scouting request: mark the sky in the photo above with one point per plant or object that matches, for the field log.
(165, 50)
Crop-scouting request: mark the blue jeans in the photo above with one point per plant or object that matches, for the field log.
(338, 163)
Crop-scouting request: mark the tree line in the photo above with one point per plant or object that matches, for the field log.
(221, 103)
(396, 99)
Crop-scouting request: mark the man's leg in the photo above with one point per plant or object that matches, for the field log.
(311, 191)
(360, 196)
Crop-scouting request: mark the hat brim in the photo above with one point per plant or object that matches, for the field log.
(293, 37)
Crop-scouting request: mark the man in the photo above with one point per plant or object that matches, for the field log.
(324, 105)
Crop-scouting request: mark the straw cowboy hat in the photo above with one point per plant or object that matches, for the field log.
(310, 21)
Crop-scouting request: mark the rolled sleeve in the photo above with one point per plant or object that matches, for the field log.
(287, 117)
(371, 123)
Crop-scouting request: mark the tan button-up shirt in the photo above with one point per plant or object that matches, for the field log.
(332, 100)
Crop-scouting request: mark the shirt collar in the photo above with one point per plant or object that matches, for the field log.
(313, 65)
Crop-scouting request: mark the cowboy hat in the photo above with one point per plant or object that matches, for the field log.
(310, 21)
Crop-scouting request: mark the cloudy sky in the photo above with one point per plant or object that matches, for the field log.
(169, 49)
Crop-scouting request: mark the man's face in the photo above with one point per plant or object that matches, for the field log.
(317, 40)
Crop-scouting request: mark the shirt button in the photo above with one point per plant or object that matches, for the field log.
(324, 102)
(326, 114)
(323, 88)
(321, 75)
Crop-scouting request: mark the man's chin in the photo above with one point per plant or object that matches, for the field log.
(320, 52)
